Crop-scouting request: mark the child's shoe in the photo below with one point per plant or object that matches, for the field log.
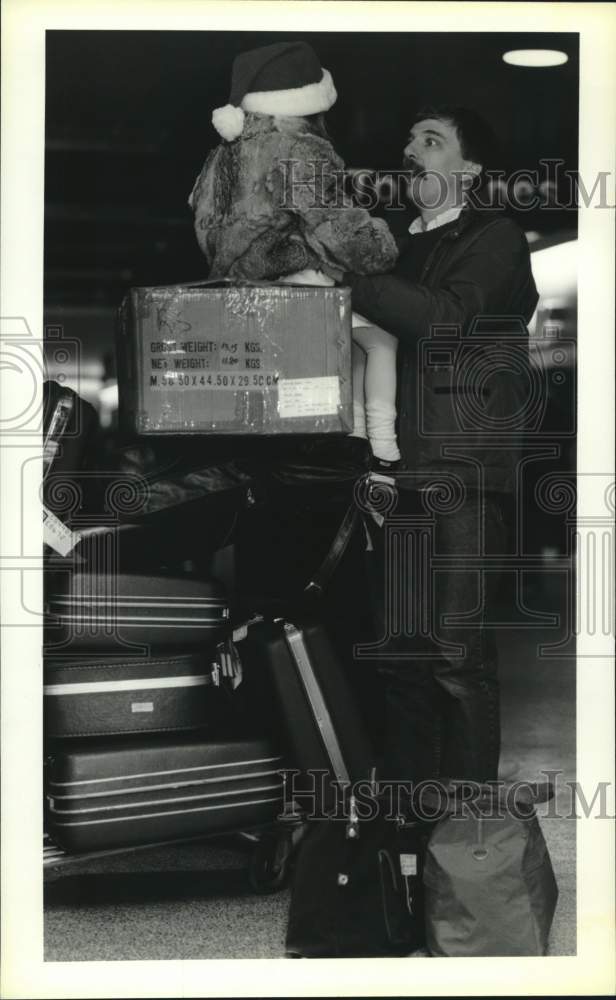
(384, 467)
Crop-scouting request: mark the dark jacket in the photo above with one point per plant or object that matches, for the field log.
(466, 387)
(271, 203)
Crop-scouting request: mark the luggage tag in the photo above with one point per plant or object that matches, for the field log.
(56, 534)
(228, 662)
(241, 631)
(408, 865)
(227, 666)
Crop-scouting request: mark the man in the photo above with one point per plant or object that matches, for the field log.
(457, 300)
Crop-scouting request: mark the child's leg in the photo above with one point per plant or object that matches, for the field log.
(374, 377)
(307, 277)
(380, 389)
(358, 361)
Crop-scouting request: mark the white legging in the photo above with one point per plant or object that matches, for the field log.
(374, 377)
(374, 388)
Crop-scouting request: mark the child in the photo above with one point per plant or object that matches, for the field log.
(268, 205)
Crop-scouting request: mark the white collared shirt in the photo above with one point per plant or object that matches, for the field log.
(417, 225)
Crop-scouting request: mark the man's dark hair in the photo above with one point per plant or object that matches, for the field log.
(478, 141)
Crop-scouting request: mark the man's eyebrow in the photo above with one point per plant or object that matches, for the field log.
(428, 131)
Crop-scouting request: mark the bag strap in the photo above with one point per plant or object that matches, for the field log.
(319, 580)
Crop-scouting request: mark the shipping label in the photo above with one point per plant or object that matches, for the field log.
(308, 397)
(209, 364)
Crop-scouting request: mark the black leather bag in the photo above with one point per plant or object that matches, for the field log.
(331, 463)
(358, 896)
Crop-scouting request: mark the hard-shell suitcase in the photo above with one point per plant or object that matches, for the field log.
(105, 611)
(357, 886)
(321, 724)
(113, 794)
(106, 696)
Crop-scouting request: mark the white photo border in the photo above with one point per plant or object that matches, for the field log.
(24, 973)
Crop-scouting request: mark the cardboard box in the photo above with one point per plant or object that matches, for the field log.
(235, 359)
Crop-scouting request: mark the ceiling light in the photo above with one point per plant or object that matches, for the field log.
(535, 57)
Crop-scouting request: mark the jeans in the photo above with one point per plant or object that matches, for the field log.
(442, 704)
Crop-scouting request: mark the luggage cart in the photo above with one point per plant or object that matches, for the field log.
(271, 849)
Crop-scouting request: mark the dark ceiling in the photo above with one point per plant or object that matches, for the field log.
(128, 126)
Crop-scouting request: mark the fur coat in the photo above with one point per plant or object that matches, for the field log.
(271, 203)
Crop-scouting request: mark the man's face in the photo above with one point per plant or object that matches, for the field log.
(438, 169)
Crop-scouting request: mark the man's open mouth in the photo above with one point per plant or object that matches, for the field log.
(415, 170)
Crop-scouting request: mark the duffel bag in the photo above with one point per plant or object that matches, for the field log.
(489, 885)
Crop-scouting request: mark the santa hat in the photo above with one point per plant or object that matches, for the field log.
(281, 79)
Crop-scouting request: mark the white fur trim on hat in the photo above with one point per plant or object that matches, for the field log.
(296, 101)
(228, 121)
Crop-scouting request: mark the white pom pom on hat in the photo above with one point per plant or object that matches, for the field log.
(228, 122)
(282, 79)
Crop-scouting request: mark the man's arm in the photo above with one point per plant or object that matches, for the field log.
(482, 282)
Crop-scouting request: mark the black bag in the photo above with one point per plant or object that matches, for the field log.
(110, 695)
(324, 464)
(303, 520)
(182, 503)
(176, 474)
(358, 896)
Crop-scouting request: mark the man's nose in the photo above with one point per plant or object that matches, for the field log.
(409, 150)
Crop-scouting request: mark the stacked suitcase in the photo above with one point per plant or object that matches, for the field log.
(143, 744)
(164, 722)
